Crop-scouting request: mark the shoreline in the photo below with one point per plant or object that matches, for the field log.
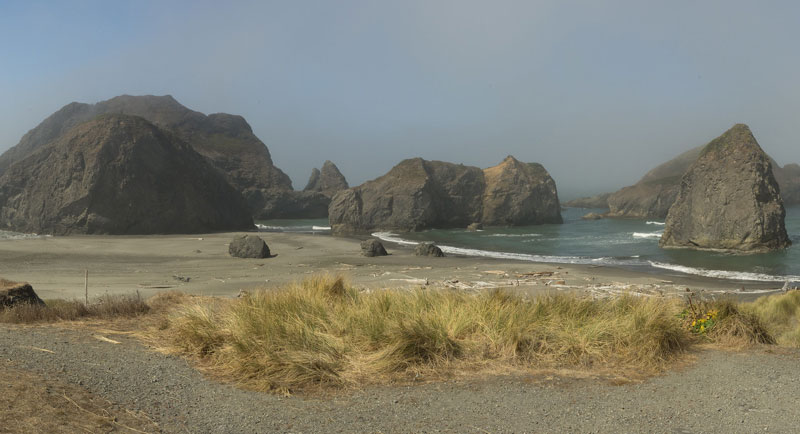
(200, 264)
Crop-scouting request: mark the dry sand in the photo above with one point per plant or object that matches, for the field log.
(200, 264)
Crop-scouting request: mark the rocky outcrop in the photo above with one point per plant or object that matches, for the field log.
(414, 195)
(598, 201)
(728, 199)
(248, 246)
(475, 227)
(118, 174)
(327, 181)
(652, 196)
(372, 247)
(287, 204)
(418, 194)
(227, 141)
(15, 293)
(788, 178)
(592, 216)
(428, 249)
(519, 193)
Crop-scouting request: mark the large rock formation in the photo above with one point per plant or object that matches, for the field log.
(118, 174)
(226, 140)
(519, 193)
(418, 194)
(17, 293)
(327, 181)
(728, 199)
(654, 194)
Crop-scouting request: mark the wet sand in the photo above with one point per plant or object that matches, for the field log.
(200, 264)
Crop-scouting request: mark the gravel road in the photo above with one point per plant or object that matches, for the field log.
(723, 392)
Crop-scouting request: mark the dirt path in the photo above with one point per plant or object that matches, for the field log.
(723, 392)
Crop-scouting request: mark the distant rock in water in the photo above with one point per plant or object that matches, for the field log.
(118, 174)
(788, 178)
(418, 194)
(475, 227)
(728, 200)
(227, 141)
(519, 193)
(598, 201)
(327, 181)
(592, 216)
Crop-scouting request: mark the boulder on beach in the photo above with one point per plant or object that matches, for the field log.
(372, 247)
(418, 194)
(428, 249)
(248, 246)
(118, 174)
(729, 199)
(16, 293)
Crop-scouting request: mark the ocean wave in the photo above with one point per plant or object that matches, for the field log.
(320, 228)
(656, 223)
(7, 235)
(647, 234)
(309, 228)
(721, 274)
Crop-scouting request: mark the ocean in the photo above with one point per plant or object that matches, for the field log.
(630, 244)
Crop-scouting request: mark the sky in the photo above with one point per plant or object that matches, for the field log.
(598, 92)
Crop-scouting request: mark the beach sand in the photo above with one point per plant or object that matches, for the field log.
(200, 264)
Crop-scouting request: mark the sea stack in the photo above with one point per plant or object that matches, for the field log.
(118, 174)
(419, 194)
(729, 200)
(327, 181)
(519, 193)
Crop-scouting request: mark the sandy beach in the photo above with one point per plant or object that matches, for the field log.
(200, 264)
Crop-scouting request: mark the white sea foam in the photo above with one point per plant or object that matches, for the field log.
(721, 274)
(320, 228)
(515, 235)
(393, 238)
(656, 223)
(647, 234)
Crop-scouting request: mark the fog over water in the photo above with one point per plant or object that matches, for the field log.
(598, 92)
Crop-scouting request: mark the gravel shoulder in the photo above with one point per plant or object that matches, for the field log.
(718, 392)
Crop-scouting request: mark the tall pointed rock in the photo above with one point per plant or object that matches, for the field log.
(728, 200)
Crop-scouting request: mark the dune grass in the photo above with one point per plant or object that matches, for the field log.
(323, 332)
(103, 307)
(781, 314)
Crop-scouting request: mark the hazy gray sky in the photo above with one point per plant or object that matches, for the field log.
(597, 91)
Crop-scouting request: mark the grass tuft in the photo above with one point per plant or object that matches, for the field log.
(322, 332)
(103, 307)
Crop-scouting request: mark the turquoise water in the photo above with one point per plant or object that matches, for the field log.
(618, 242)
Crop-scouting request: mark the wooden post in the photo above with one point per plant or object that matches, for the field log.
(86, 285)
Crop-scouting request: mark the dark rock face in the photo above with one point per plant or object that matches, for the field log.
(428, 249)
(728, 200)
(248, 246)
(372, 247)
(327, 181)
(519, 193)
(418, 194)
(13, 293)
(118, 174)
(287, 204)
(227, 141)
